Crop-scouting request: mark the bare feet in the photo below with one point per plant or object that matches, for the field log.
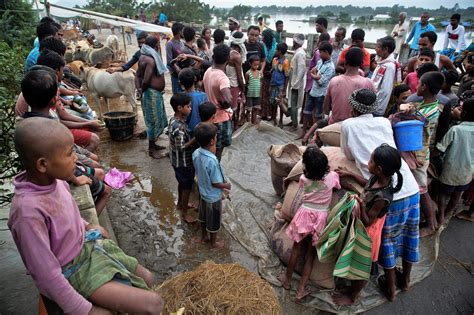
(200, 240)
(302, 294)
(426, 231)
(466, 215)
(188, 219)
(218, 244)
(343, 299)
(389, 294)
(284, 281)
(401, 282)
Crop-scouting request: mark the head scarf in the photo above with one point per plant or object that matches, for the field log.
(269, 44)
(234, 20)
(299, 39)
(238, 39)
(364, 101)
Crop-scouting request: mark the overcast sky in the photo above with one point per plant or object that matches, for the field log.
(432, 4)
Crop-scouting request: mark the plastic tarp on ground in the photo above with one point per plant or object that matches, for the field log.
(249, 215)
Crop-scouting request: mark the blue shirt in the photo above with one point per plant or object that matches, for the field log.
(208, 172)
(32, 58)
(163, 18)
(416, 32)
(327, 71)
(197, 98)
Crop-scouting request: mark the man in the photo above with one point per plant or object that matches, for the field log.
(136, 56)
(261, 24)
(279, 32)
(399, 32)
(219, 37)
(420, 27)
(234, 25)
(150, 82)
(340, 87)
(321, 25)
(297, 78)
(357, 40)
(235, 74)
(455, 35)
(254, 47)
(163, 18)
(428, 40)
(43, 30)
(142, 16)
(217, 87)
(338, 44)
(174, 48)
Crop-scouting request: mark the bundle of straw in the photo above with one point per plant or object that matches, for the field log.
(219, 289)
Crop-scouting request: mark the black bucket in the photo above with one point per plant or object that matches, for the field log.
(120, 124)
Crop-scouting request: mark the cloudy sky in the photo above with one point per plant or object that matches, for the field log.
(229, 3)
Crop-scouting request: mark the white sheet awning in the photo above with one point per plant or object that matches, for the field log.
(66, 12)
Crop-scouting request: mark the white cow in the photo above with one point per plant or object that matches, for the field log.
(112, 42)
(100, 83)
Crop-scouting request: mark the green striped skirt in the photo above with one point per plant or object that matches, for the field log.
(99, 262)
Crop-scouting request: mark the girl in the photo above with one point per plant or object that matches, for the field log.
(310, 219)
(253, 78)
(377, 197)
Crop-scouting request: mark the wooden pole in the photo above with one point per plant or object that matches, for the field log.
(46, 6)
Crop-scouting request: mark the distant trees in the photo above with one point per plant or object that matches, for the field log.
(240, 12)
(17, 23)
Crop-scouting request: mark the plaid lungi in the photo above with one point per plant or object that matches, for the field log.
(154, 113)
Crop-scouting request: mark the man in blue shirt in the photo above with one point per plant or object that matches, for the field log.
(163, 18)
(420, 27)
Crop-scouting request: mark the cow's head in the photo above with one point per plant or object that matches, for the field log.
(83, 73)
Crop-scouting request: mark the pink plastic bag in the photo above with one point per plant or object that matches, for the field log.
(117, 179)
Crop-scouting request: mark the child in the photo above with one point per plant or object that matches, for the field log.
(202, 49)
(253, 78)
(181, 151)
(373, 65)
(279, 81)
(378, 194)
(321, 74)
(450, 79)
(412, 78)
(70, 261)
(40, 90)
(400, 94)
(187, 79)
(310, 219)
(207, 113)
(428, 87)
(211, 183)
(387, 74)
(458, 166)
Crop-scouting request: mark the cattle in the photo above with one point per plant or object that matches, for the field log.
(75, 66)
(100, 83)
(94, 56)
(112, 42)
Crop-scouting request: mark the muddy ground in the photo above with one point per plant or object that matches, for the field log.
(148, 227)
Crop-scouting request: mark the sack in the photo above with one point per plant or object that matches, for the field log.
(292, 200)
(330, 135)
(277, 182)
(284, 157)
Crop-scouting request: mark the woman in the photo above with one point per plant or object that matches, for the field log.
(269, 46)
(206, 34)
(399, 33)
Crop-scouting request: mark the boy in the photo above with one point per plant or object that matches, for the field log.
(400, 94)
(253, 78)
(211, 183)
(279, 81)
(181, 151)
(70, 261)
(387, 74)
(425, 56)
(39, 90)
(187, 79)
(458, 166)
(207, 112)
(450, 79)
(322, 73)
(174, 48)
(428, 87)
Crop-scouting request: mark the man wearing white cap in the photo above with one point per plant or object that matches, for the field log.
(297, 78)
(234, 25)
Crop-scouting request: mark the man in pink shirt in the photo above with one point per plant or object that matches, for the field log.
(70, 261)
(340, 87)
(217, 87)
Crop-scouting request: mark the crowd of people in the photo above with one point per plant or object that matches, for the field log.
(217, 85)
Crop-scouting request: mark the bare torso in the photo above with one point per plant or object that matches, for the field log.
(147, 76)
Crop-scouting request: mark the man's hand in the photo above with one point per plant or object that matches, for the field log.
(81, 180)
(114, 69)
(95, 126)
(104, 232)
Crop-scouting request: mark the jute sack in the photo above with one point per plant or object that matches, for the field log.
(330, 135)
(282, 245)
(283, 159)
(292, 200)
(336, 159)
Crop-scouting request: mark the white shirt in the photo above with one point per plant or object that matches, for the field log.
(298, 69)
(454, 38)
(361, 135)
(383, 80)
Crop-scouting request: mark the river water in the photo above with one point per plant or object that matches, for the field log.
(295, 24)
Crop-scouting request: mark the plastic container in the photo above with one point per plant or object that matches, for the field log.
(409, 135)
(120, 124)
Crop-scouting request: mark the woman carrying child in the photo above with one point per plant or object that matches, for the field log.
(377, 197)
(310, 219)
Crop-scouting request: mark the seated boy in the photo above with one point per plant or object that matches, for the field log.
(211, 183)
(71, 262)
(181, 149)
(187, 79)
(39, 89)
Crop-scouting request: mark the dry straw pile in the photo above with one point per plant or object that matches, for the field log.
(219, 289)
